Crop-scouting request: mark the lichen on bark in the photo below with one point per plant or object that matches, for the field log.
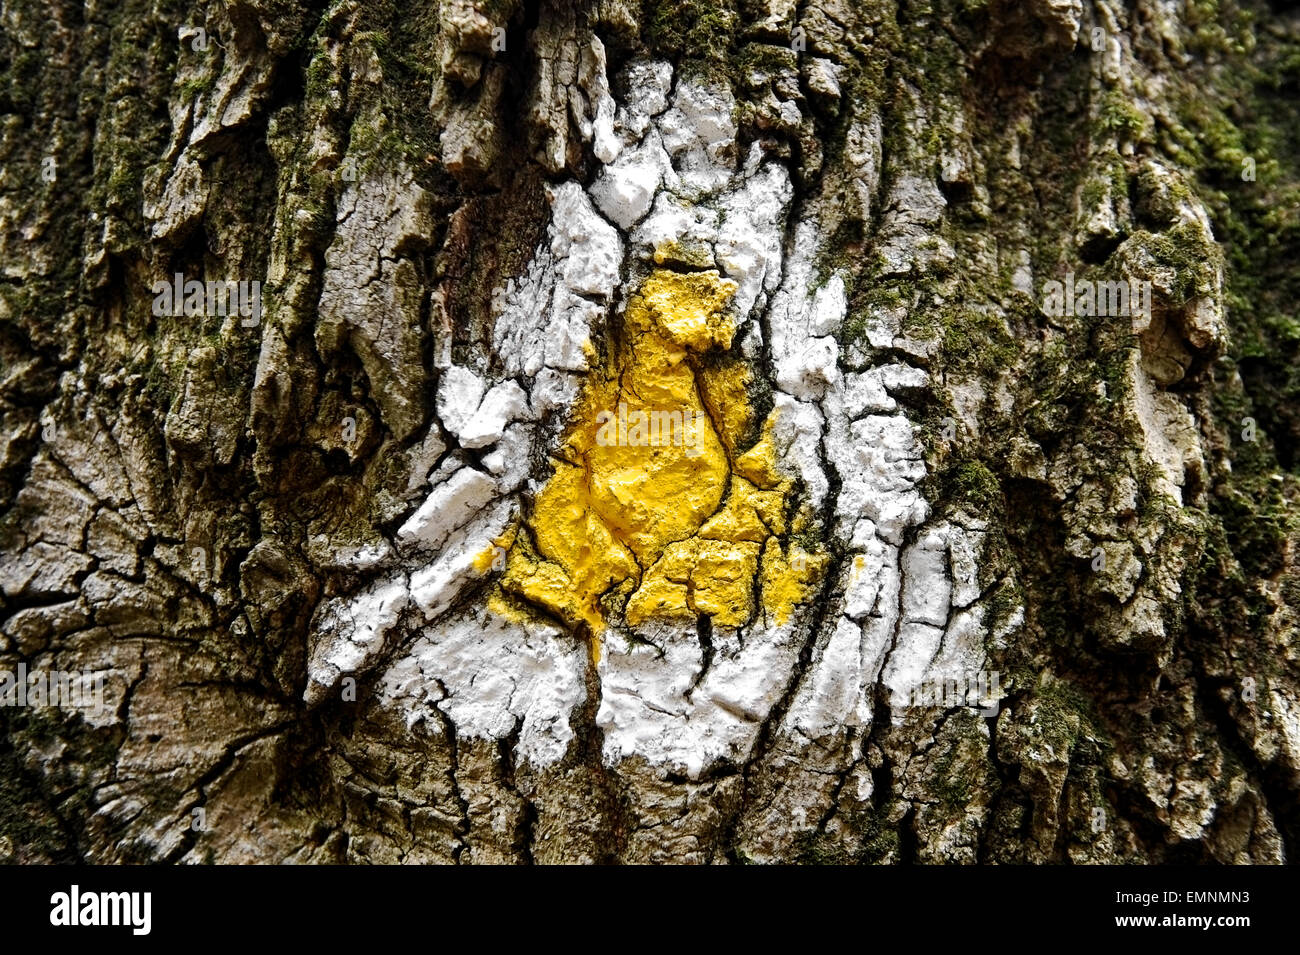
(955, 577)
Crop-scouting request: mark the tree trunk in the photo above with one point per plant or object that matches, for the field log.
(686, 431)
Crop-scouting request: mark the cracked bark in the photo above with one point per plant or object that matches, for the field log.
(179, 505)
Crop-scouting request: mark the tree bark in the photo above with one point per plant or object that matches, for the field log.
(976, 539)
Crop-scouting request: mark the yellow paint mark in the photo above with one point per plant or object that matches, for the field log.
(688, 308)
(726, 397)
(653, 510)
(747, 515)
(493, 556)
(696, 577)
(788, 579)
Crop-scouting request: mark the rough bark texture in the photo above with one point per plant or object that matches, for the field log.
(362, 588)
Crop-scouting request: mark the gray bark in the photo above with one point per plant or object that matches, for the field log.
(275, 537)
